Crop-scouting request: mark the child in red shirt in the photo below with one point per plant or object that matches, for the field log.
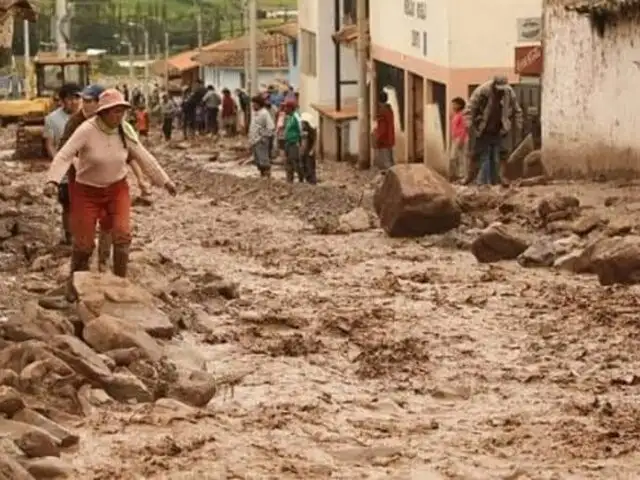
(459, 140)
(142, 121)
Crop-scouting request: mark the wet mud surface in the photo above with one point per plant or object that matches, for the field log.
(356, 355)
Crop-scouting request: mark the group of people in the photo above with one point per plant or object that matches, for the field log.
(92, 148)
(478, 130)
(283, 129)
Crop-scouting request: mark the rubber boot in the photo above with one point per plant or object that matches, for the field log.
(120, 260)
(104, 251)
(66, 229)
(79, 263)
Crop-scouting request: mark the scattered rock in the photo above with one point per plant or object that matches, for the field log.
(33, 441)
(35, 322)
(9, 377)
(47, 467)
(357, 220)
(10, 401)
(65, 437)
(125, 387)
(619, 227)
(107, 333)
(545, 252)
(10, 469)
(193, 388)
(81, 357)
(123, 357)
(414, 200)
(570, 262)
(495, 243)
(557, 207)
(585, 225)
(615, 260)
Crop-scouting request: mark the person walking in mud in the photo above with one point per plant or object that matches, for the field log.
(384, 133)
(54, 125)
(492, 113)
(168, 110)
(307, 149)
(292, 139)
(229, 113)
(103, 144)
(261, 132)
(90, 97)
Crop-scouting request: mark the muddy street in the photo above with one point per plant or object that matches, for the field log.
(322, 347)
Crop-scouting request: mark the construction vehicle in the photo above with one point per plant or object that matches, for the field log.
(51, 71)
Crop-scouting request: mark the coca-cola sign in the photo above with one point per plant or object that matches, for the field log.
(529, 60)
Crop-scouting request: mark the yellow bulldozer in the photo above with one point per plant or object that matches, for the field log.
(51, 72)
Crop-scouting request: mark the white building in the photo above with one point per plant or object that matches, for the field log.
(590, 88)
(324, 88)
(431, 52)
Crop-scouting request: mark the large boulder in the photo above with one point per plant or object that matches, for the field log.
(413, 200)
(495, 243)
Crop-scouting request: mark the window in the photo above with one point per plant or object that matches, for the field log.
(294, 53)
(421, 10)
(415, 38)
(410, 7)
(424, 43)
(308, 53)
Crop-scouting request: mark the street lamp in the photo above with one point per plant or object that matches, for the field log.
(146, 60)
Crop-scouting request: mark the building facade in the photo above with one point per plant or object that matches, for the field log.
(590, 88)
(429, 52)
(327, 74)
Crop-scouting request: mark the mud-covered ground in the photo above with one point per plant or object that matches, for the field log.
(356, 355)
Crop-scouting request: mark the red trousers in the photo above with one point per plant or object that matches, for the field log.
(111, 206)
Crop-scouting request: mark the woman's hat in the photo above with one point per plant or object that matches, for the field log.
(111, 98)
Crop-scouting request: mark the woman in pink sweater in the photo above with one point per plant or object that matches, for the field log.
(100, 150)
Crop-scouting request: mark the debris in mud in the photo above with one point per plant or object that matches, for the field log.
(389, 358)
(615, 260)
(414, 200)
(557, 207)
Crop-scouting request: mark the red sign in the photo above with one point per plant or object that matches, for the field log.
(529, 60)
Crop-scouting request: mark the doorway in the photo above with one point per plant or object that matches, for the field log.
(416, 112)
(439, 97)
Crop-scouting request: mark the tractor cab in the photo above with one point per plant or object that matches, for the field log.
(52, 72)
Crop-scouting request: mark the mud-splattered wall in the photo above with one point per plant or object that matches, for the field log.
(591, 95)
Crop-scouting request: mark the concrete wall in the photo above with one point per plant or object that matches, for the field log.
(232, 78)
(590, 98)
(317, 16)
(294, 63)
(391, 28)
(484, 33)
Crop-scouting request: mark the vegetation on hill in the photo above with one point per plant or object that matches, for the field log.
(109, 24)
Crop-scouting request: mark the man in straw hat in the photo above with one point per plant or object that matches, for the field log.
(491, 114)
(103, 145)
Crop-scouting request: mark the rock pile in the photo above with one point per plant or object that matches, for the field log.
(110, 348)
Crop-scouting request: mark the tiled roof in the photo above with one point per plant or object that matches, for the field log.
(272, 52)
(604, 6)
(180, 62)
(290, 30)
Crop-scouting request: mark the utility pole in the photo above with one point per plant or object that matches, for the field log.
(245, 52)
(61, 16)
(131, 73)
(364, 113)
(27, 62)
(166, 61)
(146, 67)
(253, 46)
(199, 20)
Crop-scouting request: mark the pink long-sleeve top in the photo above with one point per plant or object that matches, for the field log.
(100, 158)
(459, 128)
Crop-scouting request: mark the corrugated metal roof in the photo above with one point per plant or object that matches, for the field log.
(603, 6)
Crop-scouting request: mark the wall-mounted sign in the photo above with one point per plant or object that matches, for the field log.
(529, 29)
(529, 60)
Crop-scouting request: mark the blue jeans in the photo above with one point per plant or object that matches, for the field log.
(488, 148)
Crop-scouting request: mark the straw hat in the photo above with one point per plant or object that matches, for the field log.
(111, 98)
